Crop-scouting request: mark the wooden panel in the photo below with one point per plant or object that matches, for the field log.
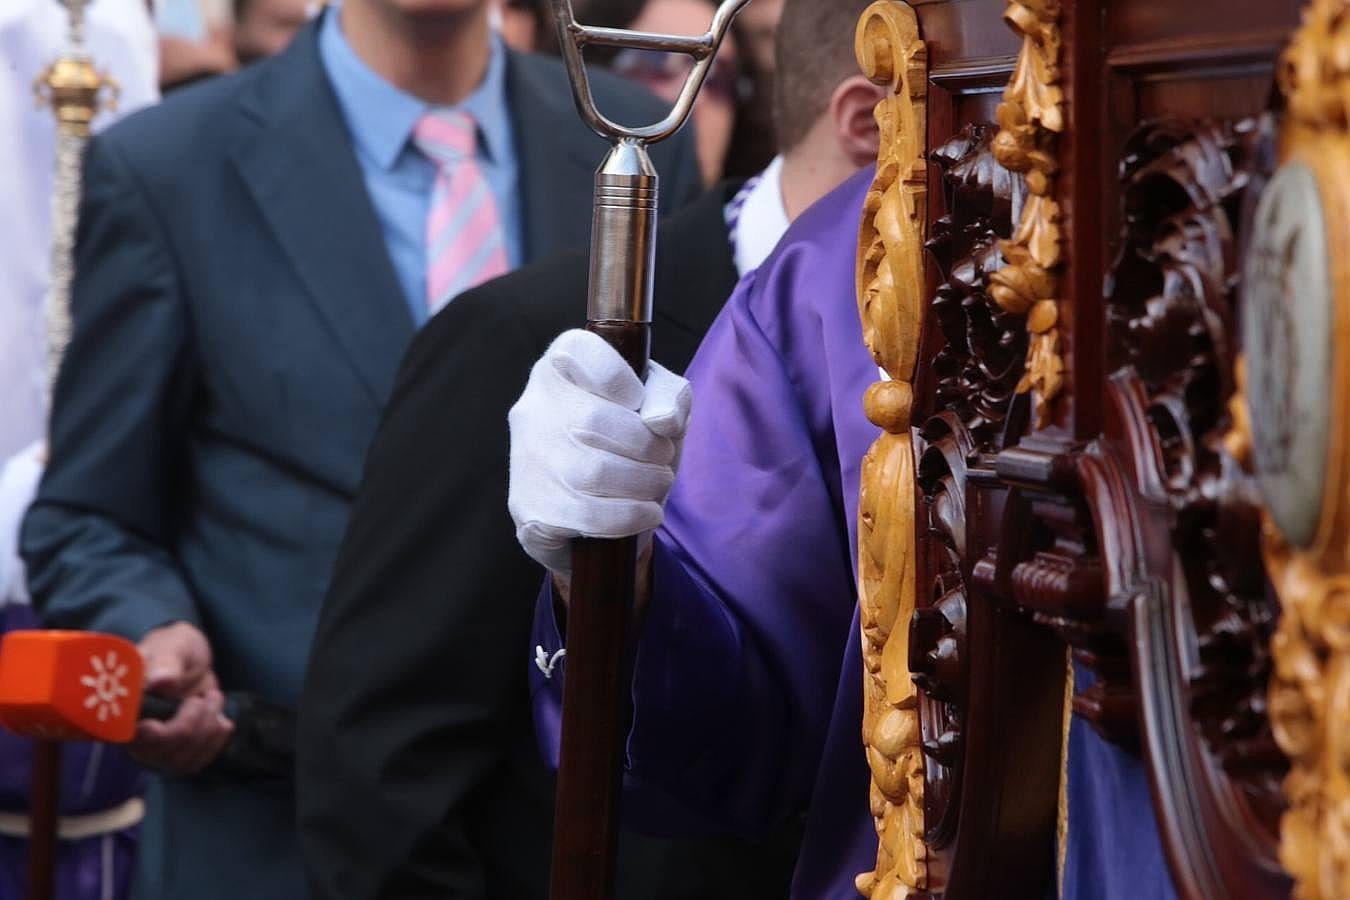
(965, 35)
(1074, 520)
(1191, 35)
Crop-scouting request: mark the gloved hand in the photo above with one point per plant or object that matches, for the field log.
(593, 450)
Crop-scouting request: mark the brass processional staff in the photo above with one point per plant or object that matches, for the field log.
(76, 92)
(604, 572)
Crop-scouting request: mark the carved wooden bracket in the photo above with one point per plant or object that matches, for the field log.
(1057, 570)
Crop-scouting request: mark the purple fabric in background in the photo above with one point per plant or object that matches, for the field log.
(748, 682)
(96, 868)
(94, 777)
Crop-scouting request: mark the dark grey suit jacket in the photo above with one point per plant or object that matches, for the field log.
(237, 329)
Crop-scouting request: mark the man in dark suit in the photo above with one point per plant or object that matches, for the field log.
(254, 257)
(415, 701)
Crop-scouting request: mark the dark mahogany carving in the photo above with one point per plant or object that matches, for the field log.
(969, 657)
(1120, 529)
(1203, 632)
(1140, 548)
(973, 398)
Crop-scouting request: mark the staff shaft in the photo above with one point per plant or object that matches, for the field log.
(595, 718)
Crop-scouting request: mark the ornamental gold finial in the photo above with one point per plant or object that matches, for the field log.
(76, 92)
(71, 86)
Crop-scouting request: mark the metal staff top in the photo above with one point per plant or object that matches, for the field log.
(624, 230)
(573, 38)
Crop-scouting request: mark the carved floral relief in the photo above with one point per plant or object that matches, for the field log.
(890, 298)
(1030, 118)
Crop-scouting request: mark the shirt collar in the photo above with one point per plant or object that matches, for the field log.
(382, 117)
(763, 220)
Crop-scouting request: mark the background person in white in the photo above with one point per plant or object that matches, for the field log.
(121, 40)
(100, 787)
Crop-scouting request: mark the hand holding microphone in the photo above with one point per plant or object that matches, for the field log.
(84, 686)
(180, 684)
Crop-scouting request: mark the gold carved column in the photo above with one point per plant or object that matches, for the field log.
(1293, 429)
(1030, 118)
(890, 302)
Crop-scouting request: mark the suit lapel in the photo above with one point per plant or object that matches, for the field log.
(558, 158)
(302, 172)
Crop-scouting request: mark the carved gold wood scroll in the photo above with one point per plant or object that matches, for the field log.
(890, 302)
(1297, 387)
(1030, 117)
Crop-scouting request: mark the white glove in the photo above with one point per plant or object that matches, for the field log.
(593, 449)
(19, 477)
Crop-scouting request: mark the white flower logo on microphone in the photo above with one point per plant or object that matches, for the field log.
(105, 686)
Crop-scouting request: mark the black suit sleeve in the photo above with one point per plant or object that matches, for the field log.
(418, 772)
(684, 181)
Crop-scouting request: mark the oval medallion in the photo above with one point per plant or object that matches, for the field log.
(1287, 339)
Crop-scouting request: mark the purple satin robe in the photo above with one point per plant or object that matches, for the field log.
(748, 682)
(94, 777)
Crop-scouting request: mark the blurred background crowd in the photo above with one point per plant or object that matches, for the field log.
(152, 48)
(202, 38)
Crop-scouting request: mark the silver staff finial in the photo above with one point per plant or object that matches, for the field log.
(573, 37)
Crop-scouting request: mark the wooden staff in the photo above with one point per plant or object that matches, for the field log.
(76, 92)
(619, 309)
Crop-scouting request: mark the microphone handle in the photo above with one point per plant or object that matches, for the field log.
(157, 708)
(263, 744)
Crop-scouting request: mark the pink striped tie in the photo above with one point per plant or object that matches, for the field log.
(465, 246)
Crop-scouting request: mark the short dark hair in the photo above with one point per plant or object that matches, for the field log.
(813, 49)
(241, 8)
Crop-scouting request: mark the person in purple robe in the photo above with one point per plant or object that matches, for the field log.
(101, 786)
(100, 810)
(747, 684)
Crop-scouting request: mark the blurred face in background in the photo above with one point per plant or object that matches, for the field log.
(757, 24)
(516, 20)
(267, 26)
(430, 10)
(664, 74)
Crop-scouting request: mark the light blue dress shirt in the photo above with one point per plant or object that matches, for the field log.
(399, 177)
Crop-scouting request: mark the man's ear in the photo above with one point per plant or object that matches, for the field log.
(851, 111)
